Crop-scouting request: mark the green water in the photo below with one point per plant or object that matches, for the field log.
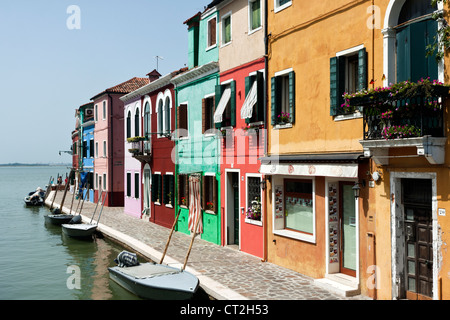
(38, 261)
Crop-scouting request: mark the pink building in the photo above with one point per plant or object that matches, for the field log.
(109, 141)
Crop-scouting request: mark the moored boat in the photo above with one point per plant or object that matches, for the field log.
(58, 219)
(81, 230)
(155, 281)
(35, 198)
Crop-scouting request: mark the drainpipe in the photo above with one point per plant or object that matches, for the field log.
(110, 152)
(266, 71)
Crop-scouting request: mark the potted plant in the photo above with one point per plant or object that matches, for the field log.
(254, 210)
(210, 206)
(284, 118)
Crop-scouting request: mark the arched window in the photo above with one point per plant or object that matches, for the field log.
(137, 126)
(160, 117)
(129, 124)
(147, 119)
(167, 122)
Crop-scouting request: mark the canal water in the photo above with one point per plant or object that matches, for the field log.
(38, 261)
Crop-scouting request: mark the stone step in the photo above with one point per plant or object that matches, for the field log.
(339, 283)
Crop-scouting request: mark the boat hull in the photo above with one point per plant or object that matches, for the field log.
(82, 230)
(164, 283)
(58, 219)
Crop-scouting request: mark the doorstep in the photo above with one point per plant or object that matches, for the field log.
(339, 283)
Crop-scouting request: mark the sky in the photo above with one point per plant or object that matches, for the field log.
(55, 57)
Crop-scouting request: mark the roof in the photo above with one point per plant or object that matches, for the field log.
(125, 87)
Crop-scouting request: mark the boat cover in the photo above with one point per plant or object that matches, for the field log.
(149, 270)
(126, 259)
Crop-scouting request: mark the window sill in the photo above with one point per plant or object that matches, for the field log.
(349, 116)
(184, 206)
(254, 222)
(280, 8)
(282, 126)
(225, 44)
(157, 203)
(295, 235)
(254, 30)
(211, 47)
(210, 212)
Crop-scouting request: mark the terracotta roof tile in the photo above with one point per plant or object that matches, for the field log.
(126, 87)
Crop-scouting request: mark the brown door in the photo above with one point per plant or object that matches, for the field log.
(419, 241)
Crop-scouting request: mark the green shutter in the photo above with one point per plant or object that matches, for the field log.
(248, 83)
(430, 38)
(362, 69)
(334, 86)
(172, 189)
(154, 187)
(233, 103)
(260, 96)
(273, 107)
(219, 90)
(292, 96)
(403, 55)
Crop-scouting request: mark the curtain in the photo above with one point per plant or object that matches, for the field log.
(195, 210)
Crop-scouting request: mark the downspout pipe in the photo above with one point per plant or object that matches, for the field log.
(111, 153)
(266, 71)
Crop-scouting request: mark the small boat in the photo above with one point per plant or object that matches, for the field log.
(155, 281)
(58, 219)
(35, 198)
(76, 229)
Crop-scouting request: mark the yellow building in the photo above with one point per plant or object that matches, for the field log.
(390, 241)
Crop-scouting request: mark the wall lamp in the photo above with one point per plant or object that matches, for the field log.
(263, 184)
(356, 188)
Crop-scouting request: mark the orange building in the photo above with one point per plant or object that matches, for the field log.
(350, 201)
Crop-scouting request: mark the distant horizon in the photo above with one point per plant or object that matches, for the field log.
(36, 164)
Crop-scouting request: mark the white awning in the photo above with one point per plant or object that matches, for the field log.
(349, 170)
(226, 95)
(250, 101)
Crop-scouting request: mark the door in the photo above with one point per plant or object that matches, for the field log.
(236, 207)
(232, 207)
(418, 239)
(347, 219)
(147, 190)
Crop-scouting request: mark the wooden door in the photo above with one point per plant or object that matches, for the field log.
(347, 234)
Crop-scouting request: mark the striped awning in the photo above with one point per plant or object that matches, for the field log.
(250, 101)
(226, 95)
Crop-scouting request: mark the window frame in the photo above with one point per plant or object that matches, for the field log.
(278, 218)
(157, 192)
(227, 15)
(208, 113)
(250, 16)
(128, 184)
(280, 104)
(209, 44)
(183, 189)
(179, 129)
(168, 189)
(104, 111)
(277, 7)
(247, 200)
(137, 185)
(212, 194)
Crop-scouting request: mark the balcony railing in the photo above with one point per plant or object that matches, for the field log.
(141, 149)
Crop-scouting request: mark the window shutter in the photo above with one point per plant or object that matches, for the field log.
(203, 115)
(219, 90)
(292, 96)
(159, 187)
(362, 69)
(233, 103)
(273, 106)
(260, 96)
(403, 55)
(203, 193)
(165, 190)
(186, 188)
(431, 60)
(154, 187)
(337, 84)
(248, 82)
(167, 118)
(171, 189)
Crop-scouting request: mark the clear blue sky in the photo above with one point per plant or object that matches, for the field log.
(48, 70)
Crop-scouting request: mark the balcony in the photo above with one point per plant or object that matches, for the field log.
(404, 115)
(141, 148)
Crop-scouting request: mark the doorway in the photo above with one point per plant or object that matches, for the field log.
(347, 229)
(232, 208)
(146, 212)
(418, 233)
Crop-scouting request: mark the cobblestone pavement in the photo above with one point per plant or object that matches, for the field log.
(233, 270)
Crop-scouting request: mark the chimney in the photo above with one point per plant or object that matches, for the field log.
(154, 75)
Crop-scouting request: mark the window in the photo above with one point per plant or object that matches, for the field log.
(74, 148)
(137, 120)
(147, 120)
(212, 32)
(167, 122)
(253, 208)
(253, 108)
(226, 29)
(104, 149)
(209, 193)
(128, 184)
(104, 110)
(283, 97)
(136, 185)
(182, 120)
(168, 189)
(282, 4)
(254, 14)
(183, 190)
(298, 200)
(84, 149)
(348, 73)
(95, 113)
(160, 117)
(96, 181)
(225, 113)
(208, 106)
(96, 149)
(129, 124)
(156, 188)
(104, 181)
(91, 148)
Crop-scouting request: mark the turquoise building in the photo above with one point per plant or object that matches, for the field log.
(197, 144)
